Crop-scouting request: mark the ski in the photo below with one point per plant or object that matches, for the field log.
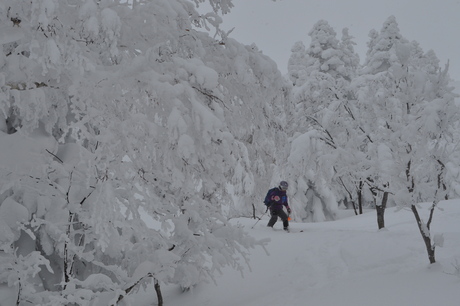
(288, 231)
(294, 231)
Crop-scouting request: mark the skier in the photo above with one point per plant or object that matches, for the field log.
(275, 199)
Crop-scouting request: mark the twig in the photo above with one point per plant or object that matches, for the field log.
(55, 156)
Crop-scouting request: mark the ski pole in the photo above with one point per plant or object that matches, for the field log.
(259, 219)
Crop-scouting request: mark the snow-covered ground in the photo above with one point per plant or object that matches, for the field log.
(345, 262)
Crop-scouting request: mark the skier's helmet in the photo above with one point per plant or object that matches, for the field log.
(284, 185)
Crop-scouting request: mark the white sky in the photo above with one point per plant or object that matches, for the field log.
(275, 26)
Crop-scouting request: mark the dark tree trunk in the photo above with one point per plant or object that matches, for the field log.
(424, 228)
(158, 291)
(425, 231)
(360, 197)
(66, 250)
(381, 211)
(354, 207)
(353, 204)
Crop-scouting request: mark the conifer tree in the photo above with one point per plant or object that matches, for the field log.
(321, 121)
(297, 64)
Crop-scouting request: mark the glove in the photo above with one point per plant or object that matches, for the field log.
(289, 210)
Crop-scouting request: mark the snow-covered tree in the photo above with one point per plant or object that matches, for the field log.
(133, 135)
(255, 118)
(407, 96)
(297, 64)
(350, 58)
(321, 121)
(380, 56)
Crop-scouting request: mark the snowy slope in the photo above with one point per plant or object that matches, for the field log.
(346, 262)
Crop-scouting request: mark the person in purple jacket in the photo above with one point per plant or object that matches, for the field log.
(275, 199)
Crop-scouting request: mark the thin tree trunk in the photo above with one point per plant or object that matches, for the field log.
(424, 228)
(352, 204)
(354, 207)
(425, 231)
(66, 251)
(18, 300)
(381, 211)
(360, 198)
(158, 291)
(350, 195)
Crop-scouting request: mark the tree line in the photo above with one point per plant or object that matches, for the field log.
(380, 131)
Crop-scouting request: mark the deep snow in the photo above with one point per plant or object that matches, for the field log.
(344, 262)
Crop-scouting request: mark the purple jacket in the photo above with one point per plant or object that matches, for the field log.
(276, 198)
